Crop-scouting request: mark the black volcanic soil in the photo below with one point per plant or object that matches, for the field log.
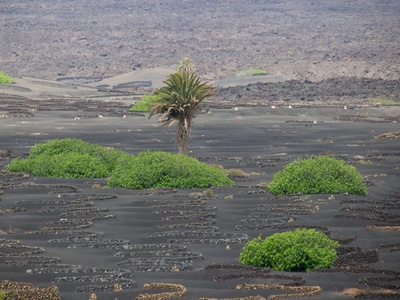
(301, 39)
(84, 238)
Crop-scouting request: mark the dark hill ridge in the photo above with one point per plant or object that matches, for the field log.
(293, 39)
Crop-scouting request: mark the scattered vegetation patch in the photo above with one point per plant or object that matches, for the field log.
(68, 158)
(22, 290)
(295, 251)
(144, 105)
(386, 102)
(383, 228)
(236, 173)
(303, 291)
(208, 192)
(165, 170)
(365, 162)
(368, 293)
(179, 291)
(251, 72)
(318, 175)
(387, 136)
(4, 78)
(233, 172)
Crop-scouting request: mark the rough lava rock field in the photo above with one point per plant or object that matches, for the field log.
(302, 39)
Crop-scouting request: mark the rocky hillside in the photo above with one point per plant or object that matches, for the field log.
(300, 39)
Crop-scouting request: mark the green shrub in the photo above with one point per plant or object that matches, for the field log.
(294, 251)
(108, 156)
(68, 158)
(144, 105)
(251, 72)
(4, 78)
(318, 175)
(66, 165)
(386, 102)
(161, 169)
(236, 173)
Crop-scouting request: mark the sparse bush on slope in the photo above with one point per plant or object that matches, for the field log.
(318, 175)
(251, 72)
(4, 78)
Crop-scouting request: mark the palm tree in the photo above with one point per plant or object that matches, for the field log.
(185, 64)
(178, 103)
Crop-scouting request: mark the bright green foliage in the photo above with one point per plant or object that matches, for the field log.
(66, 165)
(4, 78)
(68, 158)
(161, 169)
(72, 158)
(251, 72)
(144, 105)
(318, 175)
(294, 251)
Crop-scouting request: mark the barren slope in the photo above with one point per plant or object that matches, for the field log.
(293, 39)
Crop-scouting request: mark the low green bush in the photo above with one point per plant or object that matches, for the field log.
(161, 169)
(318, 175)
(4, 78)
(251, 72)
(293, 251)
(68, 158)
(73, 158)
(144, 105)
(386, 102)
(66, 165)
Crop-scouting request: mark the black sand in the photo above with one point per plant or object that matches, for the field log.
(85, 239)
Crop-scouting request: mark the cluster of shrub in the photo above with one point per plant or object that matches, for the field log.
(299, 250)
(73, 158)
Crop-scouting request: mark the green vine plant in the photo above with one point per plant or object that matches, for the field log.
(294, 251)
(318, 175)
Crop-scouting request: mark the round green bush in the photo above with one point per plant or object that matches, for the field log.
(68, 158)
(145, 104)
(70, 165)
(4, 78)
(160, 169)
(318, 175)
(293, 251)
(108, 156)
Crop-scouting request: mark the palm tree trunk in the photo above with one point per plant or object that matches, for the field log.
(183, 137)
